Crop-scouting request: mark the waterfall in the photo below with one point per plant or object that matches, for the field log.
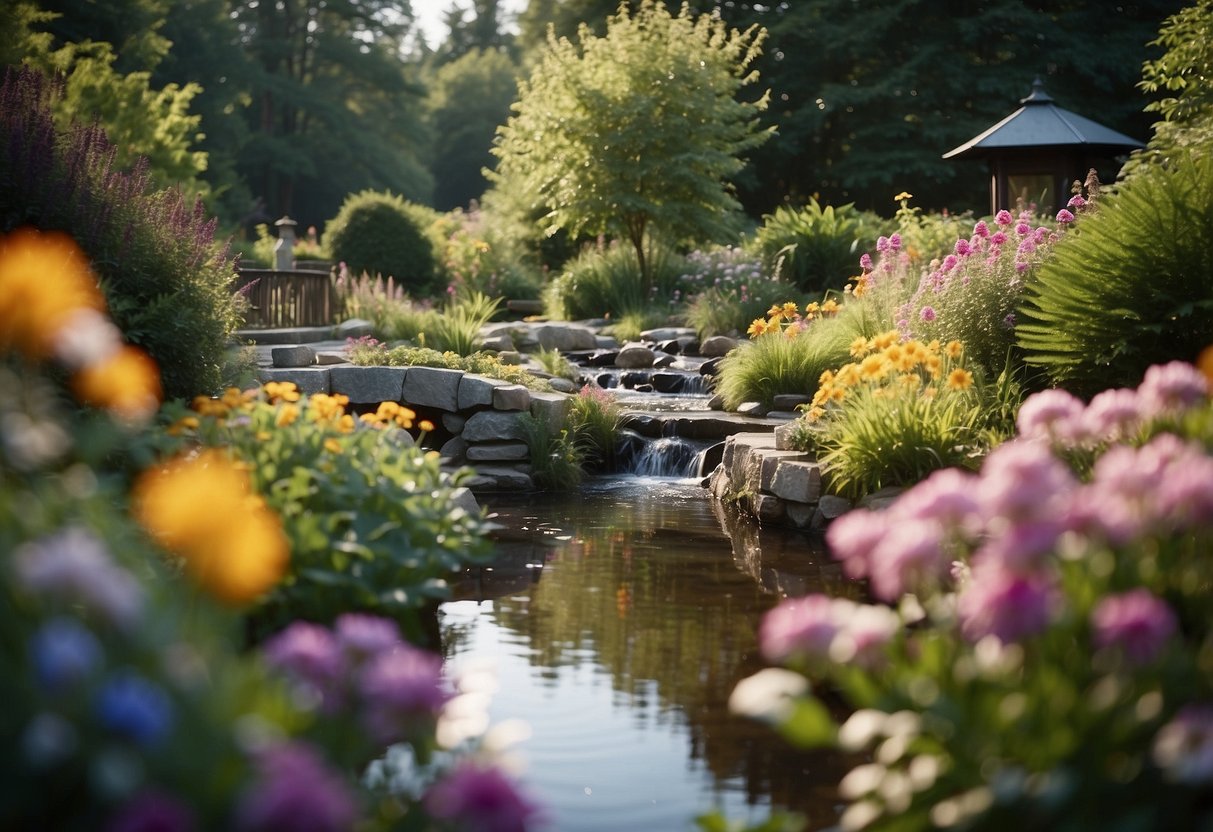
(669, 456)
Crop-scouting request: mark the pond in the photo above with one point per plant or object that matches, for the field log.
(618, 619)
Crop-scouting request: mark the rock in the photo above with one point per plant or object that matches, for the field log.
(670, 347)
(499, 478)
(784, 434)
(633, 379)
(663, 360)
(565, 337)
(453, 422)
(770, 463)
(563, 385)
(717, 402)
(525, 306)
(688, 345)
(881, 499)
(477, 391)
(498, 452)
(463, 498)
(789, 401)
(369, 385)
(785, 415)
(797, 480)
(712, 457)
(353, 328)
(455, 449)
(492, 426)
(751, 409)
(300, 355)
(668, 382)
(832, 506)
(606, 342)
(601, 358)
(717, 346)
(433, 387)
(330, 358)
(497, 343)
(309, 380)
(511, 397)
(666, 333)
(550, 408)
(711, 367)
(633, 356)
(768, 509)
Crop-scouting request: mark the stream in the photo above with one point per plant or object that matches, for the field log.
(617, 618)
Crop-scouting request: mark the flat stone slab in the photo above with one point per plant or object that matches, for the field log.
(551, 408)
(492, 426)
(498, 452)
(511, 397)
(798, 480)
(369, 385)
(433, 387)
(499, 478)
(299, 355)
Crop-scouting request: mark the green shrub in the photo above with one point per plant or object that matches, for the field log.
(1131, 286)
(819, 247)
(556, 459)
(385, 305)
(554, 362)
(605, 281)
(382, 234)
(479, 253)
(594, 420)
(726, 288)
(165, 280)
(456, 328)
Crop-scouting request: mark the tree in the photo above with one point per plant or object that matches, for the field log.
(482, 30)
(636, 132)
(468, 100)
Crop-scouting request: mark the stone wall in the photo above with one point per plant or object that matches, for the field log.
(479, 414)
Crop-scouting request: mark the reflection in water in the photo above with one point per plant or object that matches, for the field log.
(620, 617)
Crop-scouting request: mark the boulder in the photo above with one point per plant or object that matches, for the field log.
(789, 401)
(463, 498)
(563, 385)
(751, 409)
(511, 397)
(633, 356)
(433, 387)
(551, 408)
(453, 422)
(717, 346)
(492, 426)
(455, 450)
(369, 385)
(498, 452)
(667, 333)
(477, 391)
(797, 480)
(565, 337)
(300, 355)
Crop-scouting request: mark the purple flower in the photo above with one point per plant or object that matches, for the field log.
(295, 790)
(1026, 246)
(478, 797)
(135, 708)
(312, 658)
(1064, 216)
(911, 556)
(1003, 217)
(1137, 622)
(927, 314)
(894, 243)
(963, 247)
(1004, 604)
(1173, 387)
(865, 262)
(1112, 415)
(803, 627)
(981, 229)
(882, 244)
(74, 566)
(401, 690)
(63, 653)
(1183, 748)
(998, 238)
(153, 811)
(1022, 228)
(852, 537)
(1076, 201)
(364, 635)
(1051, 415)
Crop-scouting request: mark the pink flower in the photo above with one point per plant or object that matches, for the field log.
(1051, 415)
(1076, 201)
(910, 557)
(1064, 216)
(1022, 228)
(1170, 388)
(895, 242)
(882, 244)
(1006, 605)
(803, 627)
(865, 262)
(949, 263)
(479, 797)
(1003, 217)
(1026, 246)
(927, 314)
(295, 789)
(310, 657)
(962, 247)
(852, 537)
(998, 238)
(362, 635)
(981, 229)
(1112, 415)
(1022, 481)
(1136, 622)
(947, 497)
(1183, 748)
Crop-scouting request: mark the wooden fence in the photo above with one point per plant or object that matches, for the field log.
(280, 299)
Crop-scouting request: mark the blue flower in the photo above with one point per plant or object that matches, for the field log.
(63, 653)
(135, 708)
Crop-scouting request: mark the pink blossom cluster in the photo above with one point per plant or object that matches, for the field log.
(362, 664)
(820, 628)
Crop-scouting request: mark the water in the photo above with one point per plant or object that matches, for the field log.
(619, 618)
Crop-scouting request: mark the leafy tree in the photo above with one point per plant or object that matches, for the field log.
(481, 30)
(467, 101)
(636, 133)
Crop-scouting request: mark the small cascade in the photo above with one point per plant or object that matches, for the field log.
(669, 456)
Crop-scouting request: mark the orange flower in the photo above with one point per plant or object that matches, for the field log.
(873, 368)
(829, 307)
(960, 379)
(44, 279)
(954, 350)
(860, 347)
(127, 384)
(287, 415)
(425, 426)
(281, 390)
(758, 327)
(202, 508)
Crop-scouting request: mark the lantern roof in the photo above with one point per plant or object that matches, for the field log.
(1040, 123)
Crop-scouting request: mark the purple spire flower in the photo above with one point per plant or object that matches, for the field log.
(865, 262)
(1137, 622)
(882, 244)
(894, 243)
(478, 797)
(401, 690)
(295, 790)
(135, 708)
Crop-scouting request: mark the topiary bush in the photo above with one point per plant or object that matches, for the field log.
(1131, 286)
(165, 281)
(380, 233)
(819, 246)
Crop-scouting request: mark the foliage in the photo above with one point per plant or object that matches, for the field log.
(457, 327)
(814, 248)
(1039, 653)
(165, 281)
(385, 304)
(926, 235)
(788, 354)
(556, 459)
(608, 281)
(260, 254)
(726, 288)
(1132, 287)
(1181, 76)
(636, 132)
(553, 362)
(897, 412)
(594, 421)
(375, 233)
(481, 252)
(368, 352)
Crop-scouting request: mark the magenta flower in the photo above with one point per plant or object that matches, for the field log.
(852, 537)
(950, 262)
(894, 243)
(910, 557)
(153, 811)
(1051, 415)
(927, 314)
(1004, 604)
(296, 790)
(481, 798)
(882, 244)
(1022, 228)
(311, 658)
(1136, 622)
(800, 627)
(1076, 201)
(963, 247)
(401, 690)
(1026, 246)
(1171, 388)
(1112, 415)
(1025, 545)
(998, 238)
(1064, 216)
(981, 229)
(1183, 748)
(1003, 217)
(1185, 496)
(947, 497)
(1022, 481)
(865, 262)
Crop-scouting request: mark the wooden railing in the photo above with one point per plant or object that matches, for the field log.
(279, 299)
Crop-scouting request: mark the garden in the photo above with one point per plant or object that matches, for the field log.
(233, 602)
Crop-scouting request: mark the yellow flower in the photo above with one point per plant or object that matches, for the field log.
(206, 406)
(933, 347)
(848, 375)
(281, 391)
(826, 378)
(44, 280)
(185, 423)
(934, 364)
(859, 347)
(332, 445)
(892, 353)
(812, 308)
(822, 395)
(791, 332)
(954, 350)
(202, 509)
(903, 195)
(873, 368)
(910, 381)
(425, 426)
(960, 379)
(346, 423)
(789, 310)
(829, 307)
(758, 327)
(127, 384)
(776, 311)
(884, 339)
(814, 413)
(287, 415)
(862, 283)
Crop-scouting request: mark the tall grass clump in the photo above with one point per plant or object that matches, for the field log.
(1132, 286)
(816, 245)
(165, 280)
(556, 458)
(726, 288)
(456, 328)
(787, 354)
(381, 233)
(607, 281)
(594, 420)
(385, 304)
